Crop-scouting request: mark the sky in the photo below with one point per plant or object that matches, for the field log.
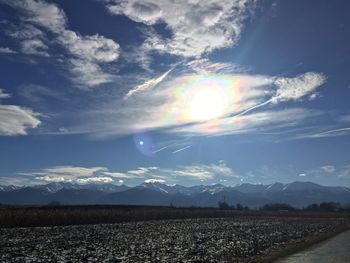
(178, 92)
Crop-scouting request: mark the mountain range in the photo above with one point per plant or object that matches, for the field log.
(298, 194)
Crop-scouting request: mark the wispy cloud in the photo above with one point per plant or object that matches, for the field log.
(240, 103)
(337, 172)
(141, 171)
(345, 172)
(31, 39)
(7, 50)
(35, 47)
(74, 174)
(344, 118)
(193, 174)
(293, 89)
(255, 122)
(328, 133)
(328, 168)
(77, 174)
(202, 172)
(4, 95)
(205, 66)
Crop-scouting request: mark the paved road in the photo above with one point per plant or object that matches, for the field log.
(335, 250)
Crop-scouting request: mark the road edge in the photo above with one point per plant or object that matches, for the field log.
(298, 246)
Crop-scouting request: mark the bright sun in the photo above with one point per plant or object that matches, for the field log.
(206, 103)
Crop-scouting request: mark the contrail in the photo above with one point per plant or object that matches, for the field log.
(148, 84)
(161, 149)
(252, 108)
(181, 149)
(336, 131)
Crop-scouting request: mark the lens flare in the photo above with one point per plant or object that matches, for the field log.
(144, 143)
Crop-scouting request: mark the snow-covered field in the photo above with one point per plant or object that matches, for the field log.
(190, 240)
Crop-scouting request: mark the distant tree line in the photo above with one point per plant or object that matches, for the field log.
(321, 207)
(239, 207)
(328, 207)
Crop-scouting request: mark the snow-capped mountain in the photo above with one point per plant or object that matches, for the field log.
(298, 194)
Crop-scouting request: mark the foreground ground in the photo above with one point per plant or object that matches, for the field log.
(190, 240)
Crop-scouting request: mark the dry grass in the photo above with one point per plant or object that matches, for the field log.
(22, 216)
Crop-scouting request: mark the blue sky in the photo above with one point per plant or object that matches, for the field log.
(187, 92)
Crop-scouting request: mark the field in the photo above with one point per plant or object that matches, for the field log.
(239, 238)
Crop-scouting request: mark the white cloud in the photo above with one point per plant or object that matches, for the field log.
(153, 180)
(75, 174)
(196, 27)
(88, 52)
(73, 171)
(146, 12)
(298, 87)
(41, 13)
(16, 120)
(47, 178)
(313, 96)
(302, 175)
(7, 50)
(95, 180)
(91, 48)
(66, 173)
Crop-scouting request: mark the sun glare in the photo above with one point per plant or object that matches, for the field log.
(207, 103)
(203, 98)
